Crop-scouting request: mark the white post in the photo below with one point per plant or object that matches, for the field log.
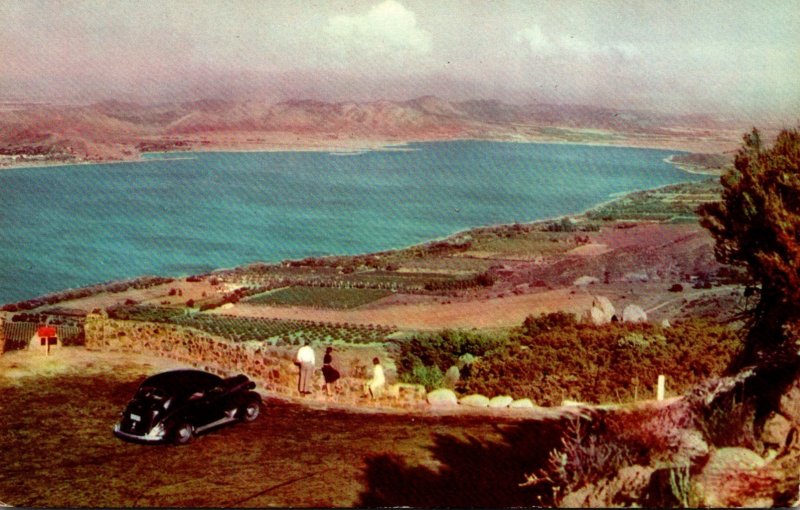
(661, 384)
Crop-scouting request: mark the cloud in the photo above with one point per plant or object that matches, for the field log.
(535, 38)
(387, 29)
(572, 45)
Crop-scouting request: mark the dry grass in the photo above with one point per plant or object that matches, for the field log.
(58, 449)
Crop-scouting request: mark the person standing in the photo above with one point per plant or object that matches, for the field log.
(306, 359)
(330, 374)
(378, 381)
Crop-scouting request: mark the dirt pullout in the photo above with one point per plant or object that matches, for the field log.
(58, 449)
(498, 312)
(15, 366)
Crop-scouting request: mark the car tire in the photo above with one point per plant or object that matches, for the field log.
(250, 411)
(183, 433)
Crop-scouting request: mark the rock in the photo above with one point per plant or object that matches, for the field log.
(585, 280)
(636, 277)
(734, 477)
(689, 446)
(790, 403)
(665, 324)
(522, 403)
(500, 401)
(776, 430)
(634, 313)
(442, 398)
(451, 377)
(624, 489)
(597, 316)
(475, 400)
(602, 310)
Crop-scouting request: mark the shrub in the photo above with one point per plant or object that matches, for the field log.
(431, 377)
(552, 357)
(440, 351)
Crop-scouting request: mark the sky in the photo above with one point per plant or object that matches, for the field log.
(725, 57)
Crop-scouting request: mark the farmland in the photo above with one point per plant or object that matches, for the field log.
(276, 332)
(322, 297)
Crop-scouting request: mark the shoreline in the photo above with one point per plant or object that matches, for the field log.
(581, 215)
(366, 145)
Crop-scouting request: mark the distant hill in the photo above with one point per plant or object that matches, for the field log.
(121, 130)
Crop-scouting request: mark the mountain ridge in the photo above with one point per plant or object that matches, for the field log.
(114, 129)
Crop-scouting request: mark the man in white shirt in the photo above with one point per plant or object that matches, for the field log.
(306, 359)
(374, 387)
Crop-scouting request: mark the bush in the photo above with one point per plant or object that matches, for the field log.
(430, 377)
(550, 358)
(439, 351)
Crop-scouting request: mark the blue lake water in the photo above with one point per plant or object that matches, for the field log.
(72, 226)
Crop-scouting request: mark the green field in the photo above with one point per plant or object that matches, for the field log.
(19, 334)
(320, 297)
(278, 332)
(675, 203)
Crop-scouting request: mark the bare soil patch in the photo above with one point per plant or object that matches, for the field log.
(497, 312)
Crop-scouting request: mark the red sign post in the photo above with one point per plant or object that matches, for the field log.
(48, 335)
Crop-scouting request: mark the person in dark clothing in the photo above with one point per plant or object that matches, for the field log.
(330, 374)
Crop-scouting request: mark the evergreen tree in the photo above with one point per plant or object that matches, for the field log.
(757, 225)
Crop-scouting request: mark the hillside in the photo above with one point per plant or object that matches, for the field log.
(113, 130)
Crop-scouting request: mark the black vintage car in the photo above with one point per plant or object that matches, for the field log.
(176, 405)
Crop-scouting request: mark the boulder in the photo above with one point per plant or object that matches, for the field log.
(597, 317)
(688, 446)
(585, 280)
(776, 430)
(602, 310)
(500, 401)
(790, 403)
(734, 477)
(634, 313)
(624, 489)
(442, 398)
(522, 403)
(474, 400)
(641, 276)
(665, 324)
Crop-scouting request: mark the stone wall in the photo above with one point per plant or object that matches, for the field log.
(269, 369)
(2, 335)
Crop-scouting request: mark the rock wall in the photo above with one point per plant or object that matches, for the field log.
(199, 349)
(2, 335)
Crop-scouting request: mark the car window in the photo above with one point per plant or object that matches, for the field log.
(150, 392)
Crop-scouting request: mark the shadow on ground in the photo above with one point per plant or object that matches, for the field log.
(472, 472)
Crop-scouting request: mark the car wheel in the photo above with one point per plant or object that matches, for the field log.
(250, 411)
(183, 434)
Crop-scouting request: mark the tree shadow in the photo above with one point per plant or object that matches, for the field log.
(473, 472)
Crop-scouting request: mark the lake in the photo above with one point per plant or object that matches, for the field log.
(187, 213)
